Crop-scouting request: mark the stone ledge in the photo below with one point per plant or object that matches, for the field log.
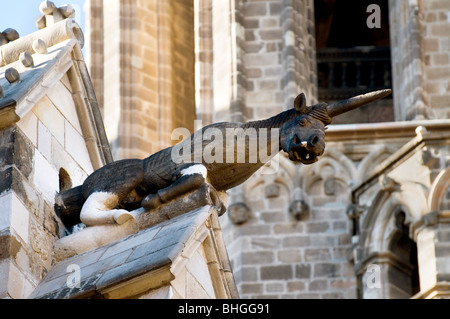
(130, 265)
(95, 236)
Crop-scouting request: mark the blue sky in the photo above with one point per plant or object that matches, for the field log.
(21, 14)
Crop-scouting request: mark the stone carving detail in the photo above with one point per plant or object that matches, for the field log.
(8, 35)
(110, 193)
(239, 213)
(272, 190)
(51, 14)
(299, 209)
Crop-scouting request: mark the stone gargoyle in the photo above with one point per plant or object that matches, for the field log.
(110, 193)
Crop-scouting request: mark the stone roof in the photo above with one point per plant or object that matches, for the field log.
(144, 260)
(31, 65)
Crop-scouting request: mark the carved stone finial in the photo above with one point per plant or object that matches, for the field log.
(39, 46)
(8, 35)
(67, 11)
(298, 209)
(51, 14)
(40, 22)
(239, 213)
(47, 7)
(421, 131)
(387, 184)
(26, 59)
(12, 75)
(272, 190)
(3, 39)
(11, 34)
(354, 211)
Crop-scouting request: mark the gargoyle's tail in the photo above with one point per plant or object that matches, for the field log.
(68, 206)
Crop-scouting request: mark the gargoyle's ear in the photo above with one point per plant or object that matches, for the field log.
(300, 103)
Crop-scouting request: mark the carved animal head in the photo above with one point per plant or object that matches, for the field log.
(303, 137)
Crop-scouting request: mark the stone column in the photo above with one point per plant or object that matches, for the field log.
(148, 77)
(432, 234)
(299, 51)
(408, 61)
(94, 45)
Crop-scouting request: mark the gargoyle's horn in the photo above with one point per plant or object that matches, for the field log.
(355, 102)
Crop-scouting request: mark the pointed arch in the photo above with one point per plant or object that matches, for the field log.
(438, 189)
(385, 241)
(372, 159)
(333, 164)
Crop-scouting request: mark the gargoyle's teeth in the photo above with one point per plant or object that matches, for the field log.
(307, 156)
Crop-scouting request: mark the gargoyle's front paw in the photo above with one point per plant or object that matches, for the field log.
(151, 201)
(121, 216)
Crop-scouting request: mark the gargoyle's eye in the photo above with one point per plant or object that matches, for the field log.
(302, 121)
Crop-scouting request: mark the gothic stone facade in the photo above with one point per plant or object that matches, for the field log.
(369, 219)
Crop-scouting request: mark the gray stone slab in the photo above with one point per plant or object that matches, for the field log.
(139, 266)
(124, 259)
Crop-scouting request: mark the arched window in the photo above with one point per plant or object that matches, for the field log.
(406, 279)
(353, 55)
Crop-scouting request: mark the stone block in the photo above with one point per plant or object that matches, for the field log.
(274, 34)
(273, 287)
(255, 9)
(252, 288)
(62, 99)
(296, 241)
(317, 227)
(319, 254)
(275, 8)
(5, 213)
(303, 271)
(258, 258)
(76, 147)
(327, 270)
(289, 256)
(293, 286)
(46, 112)
(198, 268)
(44, 141)
(45, 177)
(318, 285)
(20, 217)
(28, 125)
(279, 272)
(440, 29)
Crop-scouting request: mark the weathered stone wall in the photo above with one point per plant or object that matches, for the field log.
(279, 255)
(420, 60)
(93, 30)
(436, 48)
(146, 79)
(280, 55)
(43, 153)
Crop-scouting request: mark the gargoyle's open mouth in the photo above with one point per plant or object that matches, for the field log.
(303, 151)
(303, 155)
